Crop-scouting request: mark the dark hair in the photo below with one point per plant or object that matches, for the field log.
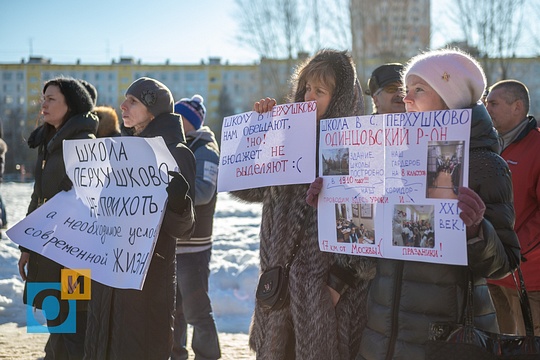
(78, 100)
(513, 90)
(336, 70)
(91, 90)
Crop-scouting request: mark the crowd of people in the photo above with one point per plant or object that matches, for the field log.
(417, 234)
(124, 323)
(340, 306)
(347, 231)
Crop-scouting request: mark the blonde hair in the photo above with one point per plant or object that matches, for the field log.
(108, 121)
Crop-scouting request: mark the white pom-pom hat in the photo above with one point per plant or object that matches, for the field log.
(456, 76)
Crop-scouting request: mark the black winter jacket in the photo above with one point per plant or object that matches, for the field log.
(49, 172)
(406, 296)
(138, 324)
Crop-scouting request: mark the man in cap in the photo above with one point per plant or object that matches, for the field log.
(385, 88)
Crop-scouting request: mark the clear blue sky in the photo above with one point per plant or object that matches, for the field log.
(99, 31)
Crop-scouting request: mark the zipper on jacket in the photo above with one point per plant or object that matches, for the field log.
(395, 308)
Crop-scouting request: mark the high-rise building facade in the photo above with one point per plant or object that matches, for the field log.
(391, 29)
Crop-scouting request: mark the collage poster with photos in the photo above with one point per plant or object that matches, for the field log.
(390, 185)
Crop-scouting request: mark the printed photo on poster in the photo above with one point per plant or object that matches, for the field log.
(335, 161)
(350, 229)
(444, 169)
(413, 226)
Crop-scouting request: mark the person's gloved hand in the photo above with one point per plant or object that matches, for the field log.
(177, 189)
(65, 184)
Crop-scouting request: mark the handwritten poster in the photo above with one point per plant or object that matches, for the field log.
(274, 148)
(109, 221)
(390, 185)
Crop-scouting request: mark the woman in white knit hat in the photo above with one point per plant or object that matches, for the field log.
(406, 296)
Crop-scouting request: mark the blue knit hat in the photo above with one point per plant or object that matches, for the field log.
(192, 110)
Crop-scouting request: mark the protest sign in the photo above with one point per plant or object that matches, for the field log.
(390, 185)
(274, 148)
(110, 220)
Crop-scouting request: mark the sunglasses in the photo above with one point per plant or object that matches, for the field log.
(391, 89)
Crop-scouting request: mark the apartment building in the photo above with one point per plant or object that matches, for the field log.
(227, 88)
(387, 30)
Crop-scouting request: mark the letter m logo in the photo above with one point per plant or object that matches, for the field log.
(75, 284)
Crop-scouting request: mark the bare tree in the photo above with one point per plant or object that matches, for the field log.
(533, 42)
(493, 27)
(291, 30)
(272, 28)
(275, 30)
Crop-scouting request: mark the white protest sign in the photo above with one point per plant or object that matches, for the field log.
(274, 148)
(110, 220)
(390, 185)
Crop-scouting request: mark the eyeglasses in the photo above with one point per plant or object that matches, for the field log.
(391, 89)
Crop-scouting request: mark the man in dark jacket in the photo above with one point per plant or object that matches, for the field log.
(508, 105)
(193, 304)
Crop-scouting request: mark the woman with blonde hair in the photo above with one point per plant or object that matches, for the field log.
(326, 312)
(108, 122)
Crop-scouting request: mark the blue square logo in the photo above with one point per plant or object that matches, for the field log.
(51, 309)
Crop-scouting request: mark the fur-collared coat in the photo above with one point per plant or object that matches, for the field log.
(317, 329)
(320, 331)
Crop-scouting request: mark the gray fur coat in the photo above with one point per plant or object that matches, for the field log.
(309, 327)
(319, 330)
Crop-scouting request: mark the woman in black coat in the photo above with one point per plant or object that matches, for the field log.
(66, 109)
(138, 324)
(406, 296)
